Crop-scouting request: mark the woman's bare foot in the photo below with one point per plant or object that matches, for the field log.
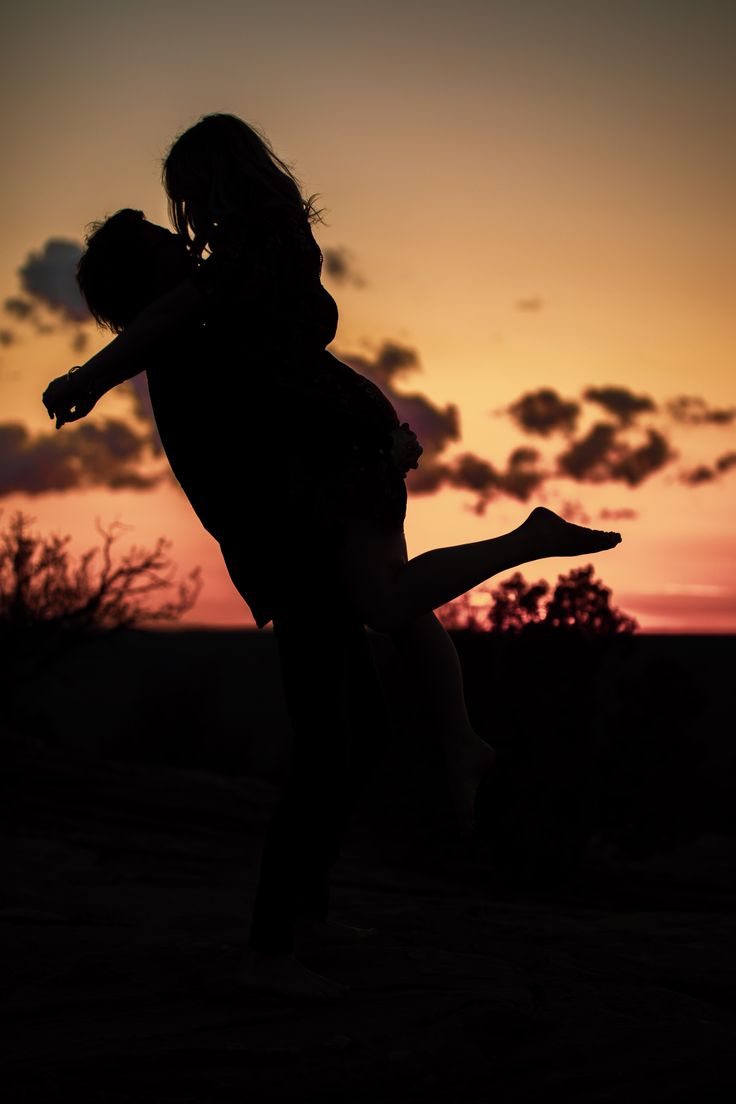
(551, 535)
(465, 774)
(332, 931)
(283, 973)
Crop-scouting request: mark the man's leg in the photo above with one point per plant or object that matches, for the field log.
(312, 667)
(370, 732)
(340, 726)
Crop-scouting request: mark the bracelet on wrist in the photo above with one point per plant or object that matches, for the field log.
(72, 371)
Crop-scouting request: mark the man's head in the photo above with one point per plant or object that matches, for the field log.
(128, 262)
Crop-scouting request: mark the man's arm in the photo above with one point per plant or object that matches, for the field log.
(72, 396)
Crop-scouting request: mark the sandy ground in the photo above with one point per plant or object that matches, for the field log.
(127, 895)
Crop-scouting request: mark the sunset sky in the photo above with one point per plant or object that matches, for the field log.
(518, 196)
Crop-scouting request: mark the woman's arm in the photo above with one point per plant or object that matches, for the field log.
(72, 396)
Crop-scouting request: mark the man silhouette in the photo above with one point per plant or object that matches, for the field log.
(336, 705)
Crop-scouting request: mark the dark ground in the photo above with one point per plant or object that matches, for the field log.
(591, 957)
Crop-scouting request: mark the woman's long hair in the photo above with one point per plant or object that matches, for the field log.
(222, 171)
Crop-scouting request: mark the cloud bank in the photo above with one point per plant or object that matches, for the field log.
(435, 426)
(605, 452)
(693, 410)
(601, 456)
(620, 402)
(91, 454)
(50, 300)
(50, 276)
(705, 473)
(544, 412)
(439, 427)
(617, 450)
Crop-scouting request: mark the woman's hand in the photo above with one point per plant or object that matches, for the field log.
(405, 449)
(67, 399)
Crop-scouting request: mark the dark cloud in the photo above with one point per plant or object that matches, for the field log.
(391, 362)
(705, 473)
(693, 410)
(18, 308)
(435, 426)
(544, 412)
(588, 458)
(429, 477)
(623, 513)
(86, 455)
(51, 301)
(50, 276)
(572, 510)
(622, 403)
(472, 473)
(519, 479)
(701, 474)
(7, 337)
(339, 266)
(530, 303)
(601, 456)
(726, 462)
(635, 464)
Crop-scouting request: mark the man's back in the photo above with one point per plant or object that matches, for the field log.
(205, 430)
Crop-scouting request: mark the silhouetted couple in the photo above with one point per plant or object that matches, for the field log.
(296, 464)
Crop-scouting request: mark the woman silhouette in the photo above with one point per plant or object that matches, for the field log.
(303, 449)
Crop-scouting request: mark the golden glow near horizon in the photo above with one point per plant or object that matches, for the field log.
(534, 196)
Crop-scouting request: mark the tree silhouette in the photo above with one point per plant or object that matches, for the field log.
(579, 603)
(516, 604)
(583, 603)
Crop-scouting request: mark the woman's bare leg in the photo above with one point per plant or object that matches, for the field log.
(397, 596)
(390, 591)
(433, 665)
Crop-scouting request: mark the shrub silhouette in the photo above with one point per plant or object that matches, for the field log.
(50, 600)
(579, 603)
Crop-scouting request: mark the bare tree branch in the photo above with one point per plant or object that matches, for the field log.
(43, 587)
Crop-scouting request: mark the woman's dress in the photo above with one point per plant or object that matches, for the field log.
(307, 439)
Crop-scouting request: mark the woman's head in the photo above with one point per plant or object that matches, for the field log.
(223, 168)
(127, 263)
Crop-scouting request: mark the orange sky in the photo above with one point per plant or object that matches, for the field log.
(469, 156)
